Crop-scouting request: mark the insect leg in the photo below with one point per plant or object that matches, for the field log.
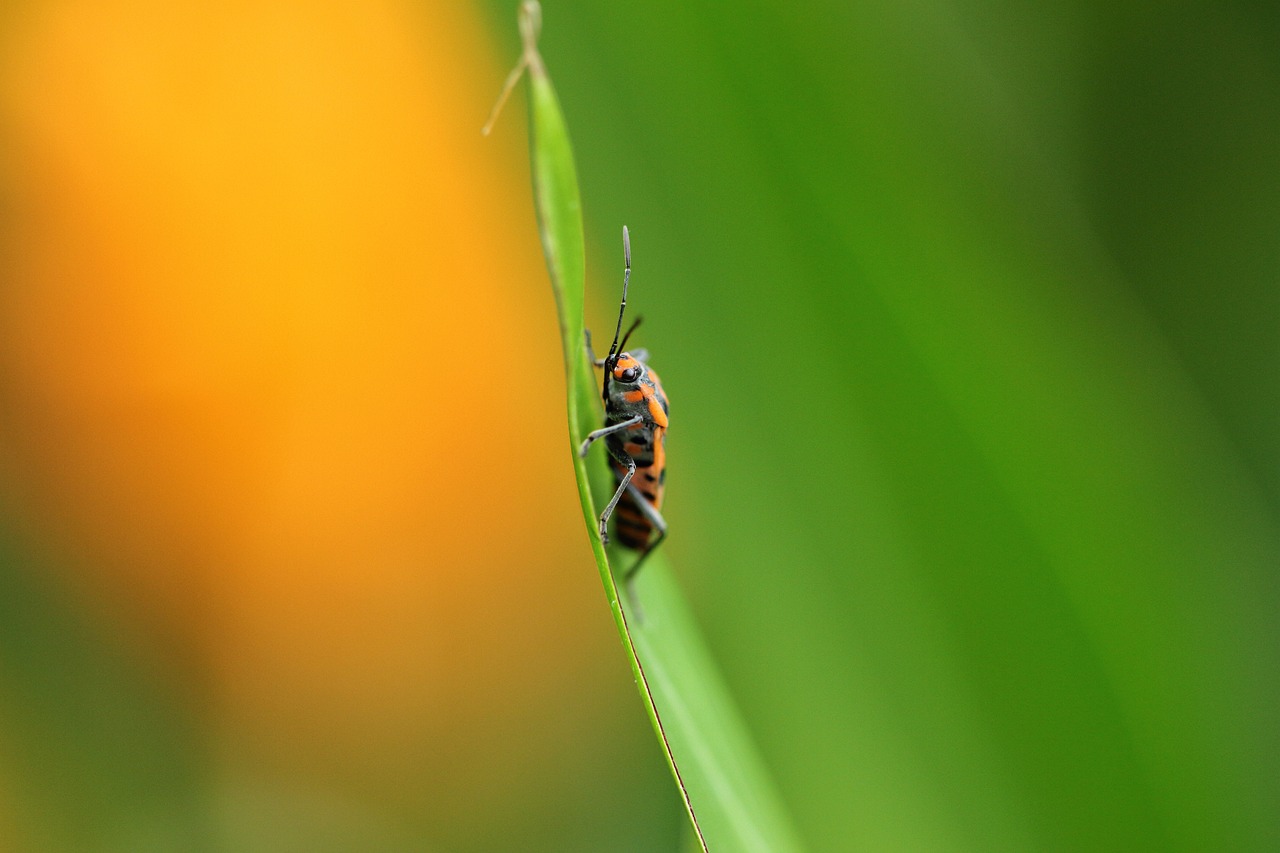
(601, 433)
(655, 518)
(591, 354)
(617, 496)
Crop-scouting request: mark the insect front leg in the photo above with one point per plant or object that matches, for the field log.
(601, 433)
(591, 354)
(617, 496)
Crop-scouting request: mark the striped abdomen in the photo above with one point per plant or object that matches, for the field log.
(645, 443)
(632, 528)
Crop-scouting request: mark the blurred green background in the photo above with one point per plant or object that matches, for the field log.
(968, 315)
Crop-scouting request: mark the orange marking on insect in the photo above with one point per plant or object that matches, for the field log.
(655, 410)
(634, 396)
(624, 364)
(659, 449)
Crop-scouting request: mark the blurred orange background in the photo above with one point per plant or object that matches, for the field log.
(283, 399)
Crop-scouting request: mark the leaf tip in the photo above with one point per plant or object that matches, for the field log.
(530, 23)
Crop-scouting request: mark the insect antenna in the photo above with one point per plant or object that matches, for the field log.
(622, 347)
(612, 358)
(614, 349)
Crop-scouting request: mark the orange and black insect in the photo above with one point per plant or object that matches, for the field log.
(635, 433)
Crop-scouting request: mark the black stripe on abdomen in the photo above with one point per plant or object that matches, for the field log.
(631, 528)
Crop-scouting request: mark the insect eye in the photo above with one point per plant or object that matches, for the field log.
(631, 374)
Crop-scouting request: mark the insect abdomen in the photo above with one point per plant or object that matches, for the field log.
(647, 446)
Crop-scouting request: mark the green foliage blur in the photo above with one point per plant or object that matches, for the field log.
(968, 315)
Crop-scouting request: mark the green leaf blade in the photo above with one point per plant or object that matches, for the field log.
(732, 802)
(702, 726)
